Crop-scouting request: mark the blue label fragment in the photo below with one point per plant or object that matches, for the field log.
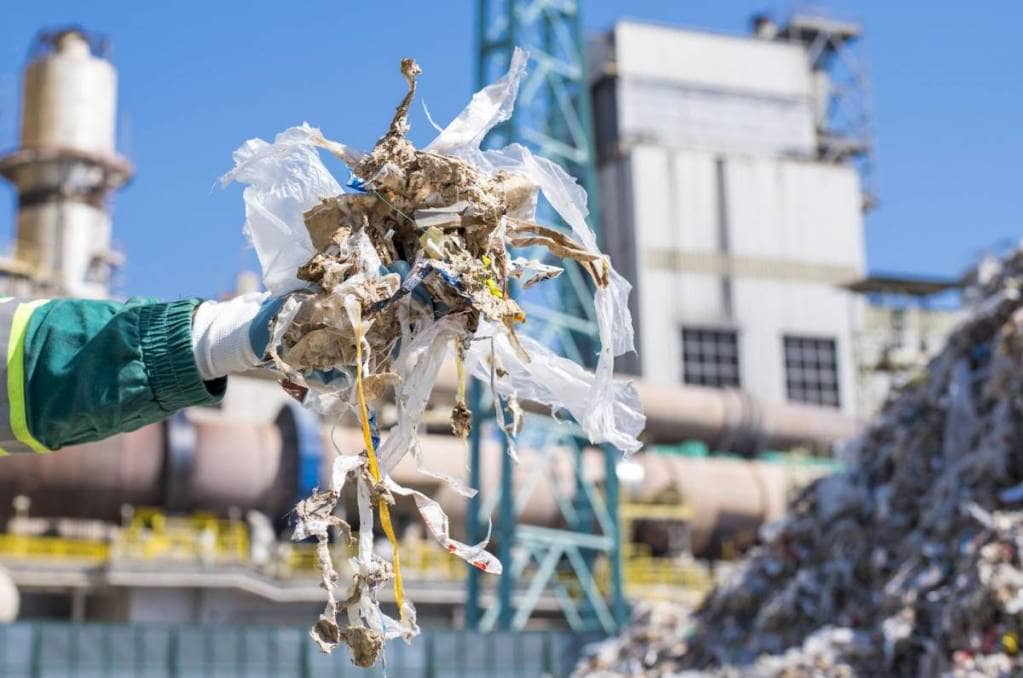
(356, 184)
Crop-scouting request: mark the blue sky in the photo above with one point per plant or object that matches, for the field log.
(197, 80)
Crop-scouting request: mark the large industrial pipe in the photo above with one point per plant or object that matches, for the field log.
(200, 460)
(725, 419)
(194, 461)
(88, 481)
(726, 496)
(204, 459)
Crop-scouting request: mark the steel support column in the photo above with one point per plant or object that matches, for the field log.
(553, 118)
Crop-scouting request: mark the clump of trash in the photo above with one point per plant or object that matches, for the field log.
(652, 642)
(411, 262)
(908, 563)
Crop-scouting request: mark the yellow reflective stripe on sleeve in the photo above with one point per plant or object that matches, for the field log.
(3, 452)
(16, 375)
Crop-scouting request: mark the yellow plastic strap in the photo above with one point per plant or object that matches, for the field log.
(459, 372)
(16, 375)
(374, 470)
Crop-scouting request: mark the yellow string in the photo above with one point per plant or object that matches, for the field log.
(374, 470)
(459, 372)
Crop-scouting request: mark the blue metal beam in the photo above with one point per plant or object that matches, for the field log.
(553, 118)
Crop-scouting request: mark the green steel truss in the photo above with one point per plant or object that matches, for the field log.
(553, 117)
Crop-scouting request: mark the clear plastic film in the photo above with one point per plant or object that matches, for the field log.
(611, 410)
(282, 180)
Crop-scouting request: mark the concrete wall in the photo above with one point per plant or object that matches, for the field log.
(769, 267)
(687, 88)
(711, 60)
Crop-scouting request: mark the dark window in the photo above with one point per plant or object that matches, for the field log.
(811, 371)
(710, 357)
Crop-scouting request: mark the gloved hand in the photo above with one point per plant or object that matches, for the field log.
(231, 336)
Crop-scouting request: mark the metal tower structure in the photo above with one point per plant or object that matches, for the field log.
(553, 117)
(65, 169)
(845, 120)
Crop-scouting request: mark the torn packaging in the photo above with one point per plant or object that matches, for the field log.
(446, 217)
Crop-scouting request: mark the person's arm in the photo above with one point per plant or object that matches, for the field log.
(82, 370)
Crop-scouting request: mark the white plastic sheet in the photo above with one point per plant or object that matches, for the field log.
(436, 522)
(608, 410)
(283, 180)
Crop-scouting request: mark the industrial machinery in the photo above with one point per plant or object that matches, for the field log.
(65, 169)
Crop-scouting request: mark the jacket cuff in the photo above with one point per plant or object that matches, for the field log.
(165, 335)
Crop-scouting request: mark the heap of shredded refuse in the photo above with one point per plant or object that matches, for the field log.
(410, 263)
(910, 563)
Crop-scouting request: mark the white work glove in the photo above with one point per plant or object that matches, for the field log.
(229, 337)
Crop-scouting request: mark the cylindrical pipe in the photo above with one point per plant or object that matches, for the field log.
(214, 463)
(727, 496)
(203, 462)
(239, 465)
(718, 416)
(723, 418)
(91, 480)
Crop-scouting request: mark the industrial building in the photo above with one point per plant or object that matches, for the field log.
(733, 205)
(906, 320)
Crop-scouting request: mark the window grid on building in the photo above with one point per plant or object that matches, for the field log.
(811, 371)
(710, 357)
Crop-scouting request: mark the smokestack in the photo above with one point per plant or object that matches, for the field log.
(66, 166)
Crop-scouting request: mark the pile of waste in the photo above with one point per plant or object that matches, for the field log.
(651, 645)
(909, 563)
(410, 263)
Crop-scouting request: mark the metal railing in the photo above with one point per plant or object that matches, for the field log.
(206, 540)
(91, 649)
(56, 548)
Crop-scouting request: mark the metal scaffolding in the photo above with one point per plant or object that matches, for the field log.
(845, 124)
(553, 118)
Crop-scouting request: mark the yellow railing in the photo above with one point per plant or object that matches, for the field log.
(651, 578)
(301, 558)
(428, 561)
(425, 559)
(153, 535)
(31, 546)
(203, 538)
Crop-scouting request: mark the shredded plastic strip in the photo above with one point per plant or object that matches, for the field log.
(374, 469)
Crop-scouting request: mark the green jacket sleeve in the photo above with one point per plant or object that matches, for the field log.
(82, 370)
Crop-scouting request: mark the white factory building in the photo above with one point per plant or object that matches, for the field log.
(732, 207)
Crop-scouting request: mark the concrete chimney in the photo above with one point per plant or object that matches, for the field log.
(66, 166)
